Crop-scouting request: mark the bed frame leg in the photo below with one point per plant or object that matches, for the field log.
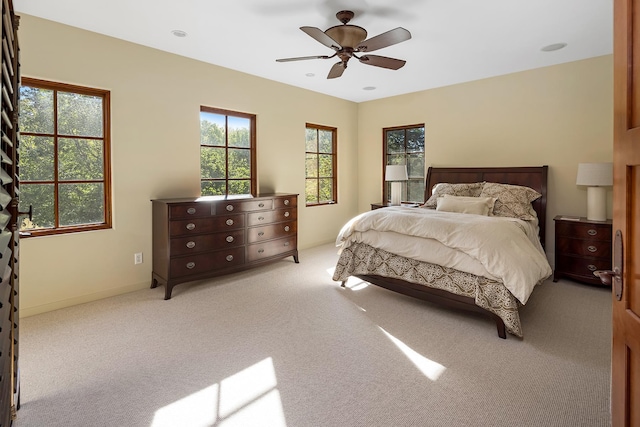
(501, 329)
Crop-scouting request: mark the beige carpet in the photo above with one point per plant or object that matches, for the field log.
(283, 345)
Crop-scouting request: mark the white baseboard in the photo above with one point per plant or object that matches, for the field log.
(56, 305)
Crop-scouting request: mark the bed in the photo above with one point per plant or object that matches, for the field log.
(498, 296)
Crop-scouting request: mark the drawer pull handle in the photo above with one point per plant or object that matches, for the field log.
(260, 218)
(592, 232)
(191, 226)
(229, 239)
(286, 214)
(191, 265)
(260, 251)
(592, 267)
(592, 249)
(286, 243)
(229, 222)
(260, 234)
(286, 228)
(286, 202)
(191, 211)
(191, 245)
(229, 258)
(229, 208)
(261, 205)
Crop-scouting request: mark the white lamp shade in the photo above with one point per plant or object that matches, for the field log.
(595, 174)
(396, 173)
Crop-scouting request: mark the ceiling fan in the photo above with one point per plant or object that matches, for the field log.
(347, 40)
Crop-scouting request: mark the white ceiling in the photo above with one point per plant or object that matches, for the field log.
(453, 41)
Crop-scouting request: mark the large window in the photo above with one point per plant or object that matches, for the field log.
(404, 145)
(64, 157)
(227, 152)
(320, 165)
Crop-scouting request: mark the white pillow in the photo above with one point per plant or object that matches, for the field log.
(465, 204)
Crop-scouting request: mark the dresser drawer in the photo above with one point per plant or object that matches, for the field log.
(589, 248)
(206, 225)
(273, 231)
(204, 262)
(243, 206)
(584, 231)
(206, 242)
(271, 248)
(286, 202)
(189, 210)
(280, 215)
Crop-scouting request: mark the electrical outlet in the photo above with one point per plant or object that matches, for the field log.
(137, 258)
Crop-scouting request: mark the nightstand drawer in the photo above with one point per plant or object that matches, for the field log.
(582, 268)
(581, 230)
(582, 247)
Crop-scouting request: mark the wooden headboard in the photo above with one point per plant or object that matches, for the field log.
(531, 176)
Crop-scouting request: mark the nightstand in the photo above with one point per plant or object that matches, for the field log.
(375, 206)
(582, 247)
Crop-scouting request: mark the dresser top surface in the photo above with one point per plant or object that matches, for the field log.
(227, 198)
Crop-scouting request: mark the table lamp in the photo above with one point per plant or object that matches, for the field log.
(396, 174)
(596, 176)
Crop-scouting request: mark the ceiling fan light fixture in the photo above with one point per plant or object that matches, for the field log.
(347, 35)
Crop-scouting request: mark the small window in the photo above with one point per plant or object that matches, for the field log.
(320, 165)
(404, 145)
(65, 164)
(227, 152)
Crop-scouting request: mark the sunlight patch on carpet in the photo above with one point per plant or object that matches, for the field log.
(428, 367)
(249, 397)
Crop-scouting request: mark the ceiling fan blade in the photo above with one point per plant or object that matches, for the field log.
(382, 61)
(391, 37)
(320, 36)
(302, 58)
(337, 70)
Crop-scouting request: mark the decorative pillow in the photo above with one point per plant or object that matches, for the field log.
(439, 190)
(512, 200)
(463, 204)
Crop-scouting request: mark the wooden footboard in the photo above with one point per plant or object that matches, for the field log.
(436, 296)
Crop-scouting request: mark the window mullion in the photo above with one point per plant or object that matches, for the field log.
(56, 197)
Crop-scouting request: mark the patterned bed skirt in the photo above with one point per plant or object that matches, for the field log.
(360, 258)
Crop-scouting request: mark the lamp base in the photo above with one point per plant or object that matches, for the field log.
(396, 193)
(597, 203)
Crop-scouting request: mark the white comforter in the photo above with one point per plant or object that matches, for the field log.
(504, 249)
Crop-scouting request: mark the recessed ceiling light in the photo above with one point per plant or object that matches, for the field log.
(179, 33)
(552, 47)
(369, 88)
(310, 75)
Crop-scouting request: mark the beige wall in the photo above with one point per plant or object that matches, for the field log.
(557, 116)
(155, 99)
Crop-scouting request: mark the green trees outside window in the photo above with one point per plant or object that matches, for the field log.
(320, 165)
(404, 145)
(227, 152)
(64, 157)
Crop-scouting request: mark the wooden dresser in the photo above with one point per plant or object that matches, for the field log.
(198, 238)
(582, 247)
